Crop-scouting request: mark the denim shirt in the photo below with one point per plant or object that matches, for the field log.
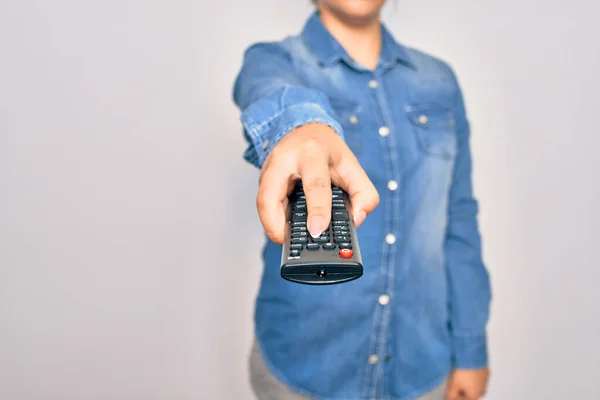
(422, 305)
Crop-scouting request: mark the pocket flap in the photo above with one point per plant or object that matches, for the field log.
(430, 115)
(343, 108)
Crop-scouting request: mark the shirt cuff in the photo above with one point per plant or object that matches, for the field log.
(469, 351)
(264, 132)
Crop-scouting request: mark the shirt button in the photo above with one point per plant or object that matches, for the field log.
(353, 120)
(266, 143)
(392, 185)
(384, 131)
(373, 359)
(423, 119)
(390, 238)
(373, 84)
(384, 299)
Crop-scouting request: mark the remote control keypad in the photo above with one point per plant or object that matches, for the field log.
(337, 235)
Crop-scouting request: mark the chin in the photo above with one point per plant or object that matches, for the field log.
(355, 11)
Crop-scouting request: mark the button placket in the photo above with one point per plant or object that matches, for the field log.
(381, 324)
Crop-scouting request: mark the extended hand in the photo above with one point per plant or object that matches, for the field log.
(467, 384)
(316, 154)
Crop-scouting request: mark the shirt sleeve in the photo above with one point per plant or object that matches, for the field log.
(273, 100)
(470, 291)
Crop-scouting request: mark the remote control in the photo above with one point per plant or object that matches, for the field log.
(333, 257)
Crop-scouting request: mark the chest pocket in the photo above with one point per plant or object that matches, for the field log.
(349, 115)
(434, 127)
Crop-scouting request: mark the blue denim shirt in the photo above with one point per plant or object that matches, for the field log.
(422, 305)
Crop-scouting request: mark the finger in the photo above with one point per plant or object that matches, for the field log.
(271, 202)
(316, 181)
(453, 392)
(471, 394)
(354, 180)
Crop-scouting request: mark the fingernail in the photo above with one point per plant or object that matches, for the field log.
(315, 226)
(359, 217)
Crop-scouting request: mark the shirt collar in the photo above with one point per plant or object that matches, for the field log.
(328, 51)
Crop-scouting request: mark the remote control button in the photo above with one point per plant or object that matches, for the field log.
(339, 216)
(301, 197)
(329, 246)
(300, 207)
(336, 195)
(341, 232)
(299, 223)
(302, 240)
(345, 246)
(337, 206)
(343, 223)
(298, 229)
(320, 239)
(296, 246)
(300, 216)
(294, 253)
(341, 239)
(345, 253)
(299, 234)
(312, 246)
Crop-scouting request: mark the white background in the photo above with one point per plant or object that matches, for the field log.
(129, 243)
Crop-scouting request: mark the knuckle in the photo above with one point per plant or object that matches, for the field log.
(261, 203)
(376, 198)
(317, 183)
(317, 210)
(275, 155)
(311, 147)
(274, 236)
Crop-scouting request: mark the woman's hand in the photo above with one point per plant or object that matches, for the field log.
(466, 384)
(316, 154)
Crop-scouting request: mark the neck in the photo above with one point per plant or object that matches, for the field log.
(361, 39)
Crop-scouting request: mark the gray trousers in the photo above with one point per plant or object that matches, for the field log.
(267, 387)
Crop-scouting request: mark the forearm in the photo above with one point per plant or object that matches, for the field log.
(468, 280)
(469, 288)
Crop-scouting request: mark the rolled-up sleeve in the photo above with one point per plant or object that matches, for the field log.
(273, 100)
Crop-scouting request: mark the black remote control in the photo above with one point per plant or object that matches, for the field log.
(333, 257)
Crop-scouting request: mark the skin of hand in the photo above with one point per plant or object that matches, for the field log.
(318, 156)
(467, 384)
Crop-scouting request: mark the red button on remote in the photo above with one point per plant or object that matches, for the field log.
(345, 253)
